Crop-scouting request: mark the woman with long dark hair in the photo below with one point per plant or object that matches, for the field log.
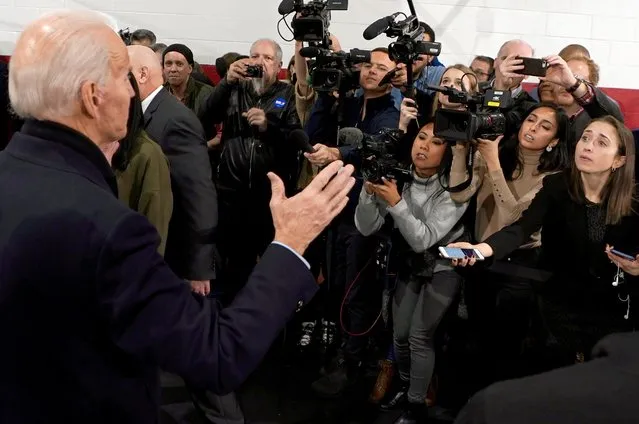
(142, 171)
(506, 176)
(424, 217)
(582, 211)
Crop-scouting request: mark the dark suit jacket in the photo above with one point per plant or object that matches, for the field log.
(602, 391)
(4, 105)
(189, 246)
(89, 310)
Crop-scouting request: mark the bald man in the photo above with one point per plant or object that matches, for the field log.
(89, 311)
(189, 248)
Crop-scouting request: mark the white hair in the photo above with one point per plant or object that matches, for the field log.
(276, 47)
(516, 41)
(54, 56)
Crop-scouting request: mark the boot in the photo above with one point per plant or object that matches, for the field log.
(396, 398)
(415, 413)
(384, 380)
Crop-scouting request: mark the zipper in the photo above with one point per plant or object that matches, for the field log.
(252, 154)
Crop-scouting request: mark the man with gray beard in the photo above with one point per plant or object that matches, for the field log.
(258, 113)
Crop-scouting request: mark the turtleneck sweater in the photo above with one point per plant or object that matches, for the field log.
(499, 202)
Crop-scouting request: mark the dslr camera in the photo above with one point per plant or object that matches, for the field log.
(254, 71)
(483, 119)
(125, 35)
(381, 154)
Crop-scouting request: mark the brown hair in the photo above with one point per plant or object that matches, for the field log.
(469, 74)
(593, 68)
(619, 193)
(574, 51)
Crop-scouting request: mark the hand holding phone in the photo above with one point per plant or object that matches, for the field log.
(460, 253)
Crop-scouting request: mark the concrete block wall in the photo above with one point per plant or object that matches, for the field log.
(610, 29)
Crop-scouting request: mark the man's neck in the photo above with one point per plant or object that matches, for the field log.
(572, 109)
(594, 185)
(374, 94)
(179, 91)
(85, 128)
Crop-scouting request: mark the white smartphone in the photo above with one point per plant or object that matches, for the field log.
(457, 253)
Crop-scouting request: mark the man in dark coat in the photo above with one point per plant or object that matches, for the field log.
(190, 244)
(88, 309)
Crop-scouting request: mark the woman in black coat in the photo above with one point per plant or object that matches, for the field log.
(582, 212)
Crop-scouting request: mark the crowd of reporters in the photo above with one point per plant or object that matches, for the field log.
(544, 202)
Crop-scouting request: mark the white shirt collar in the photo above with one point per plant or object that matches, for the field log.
(146, 102)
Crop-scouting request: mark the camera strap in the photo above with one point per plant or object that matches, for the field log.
(470, 160)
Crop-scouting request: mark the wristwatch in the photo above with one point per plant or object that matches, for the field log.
(576, 85)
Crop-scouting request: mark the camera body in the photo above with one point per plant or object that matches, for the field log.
(483, 119)
(314, 20)
(381, 157)
(254, 71)
(409, 45)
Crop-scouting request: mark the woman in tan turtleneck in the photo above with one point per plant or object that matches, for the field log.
(506, 177)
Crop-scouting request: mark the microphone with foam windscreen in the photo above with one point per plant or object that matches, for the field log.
(350, 136)
(312, 52)
(300, 139)
(379, 26)
(286, 7)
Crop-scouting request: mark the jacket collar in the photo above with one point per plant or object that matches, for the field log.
(162, 95)
(377, 104)
(57, 146)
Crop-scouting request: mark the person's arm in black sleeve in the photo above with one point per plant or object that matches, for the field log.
(597, 104)
(152, 314)
(190, 168)
(507, 240)
(213, 110)
(322, 120)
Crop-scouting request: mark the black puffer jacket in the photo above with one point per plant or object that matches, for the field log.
(247, 154)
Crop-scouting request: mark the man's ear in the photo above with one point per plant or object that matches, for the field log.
(90, 98)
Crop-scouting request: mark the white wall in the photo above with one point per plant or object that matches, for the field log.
(608, 28)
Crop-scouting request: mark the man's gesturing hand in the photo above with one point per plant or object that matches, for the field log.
(301, 218)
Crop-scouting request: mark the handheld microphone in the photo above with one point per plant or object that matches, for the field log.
(388, 77)
(300, 140)
(350, 137)
(286, 7)
(379, 26)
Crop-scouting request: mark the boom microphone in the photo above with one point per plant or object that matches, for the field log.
(350, 137)
(286, 7)
(300, 140)
(379, 26)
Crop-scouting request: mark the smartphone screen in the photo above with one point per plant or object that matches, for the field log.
(457, 253)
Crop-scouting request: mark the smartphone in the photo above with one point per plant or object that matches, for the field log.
(533, 67)
(622, 255)
(457, 253)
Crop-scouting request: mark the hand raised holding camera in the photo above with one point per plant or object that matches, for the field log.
(237, 70)
(506, 77)
(408, 112)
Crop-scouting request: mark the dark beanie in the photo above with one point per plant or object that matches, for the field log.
(180, 48)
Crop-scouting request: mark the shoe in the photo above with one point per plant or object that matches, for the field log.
(415, 413)
(336, 382)
(397, 398)
(383, 383)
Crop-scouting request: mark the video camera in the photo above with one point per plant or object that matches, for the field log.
(483, 119)
(125, 35)
(380, 153)
(409, 45)
(315, 18)
(334, 71)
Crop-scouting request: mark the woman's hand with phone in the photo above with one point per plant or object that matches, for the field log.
(483, 248)
(628, 266)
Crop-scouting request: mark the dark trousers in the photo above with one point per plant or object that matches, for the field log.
(354, 268)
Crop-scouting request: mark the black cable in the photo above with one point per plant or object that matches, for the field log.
(279, 32)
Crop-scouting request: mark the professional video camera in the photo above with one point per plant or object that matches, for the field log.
(380, 153)
(125, 35)
(409, 45)
(483, 119)
(315, 18)
(334, 71)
